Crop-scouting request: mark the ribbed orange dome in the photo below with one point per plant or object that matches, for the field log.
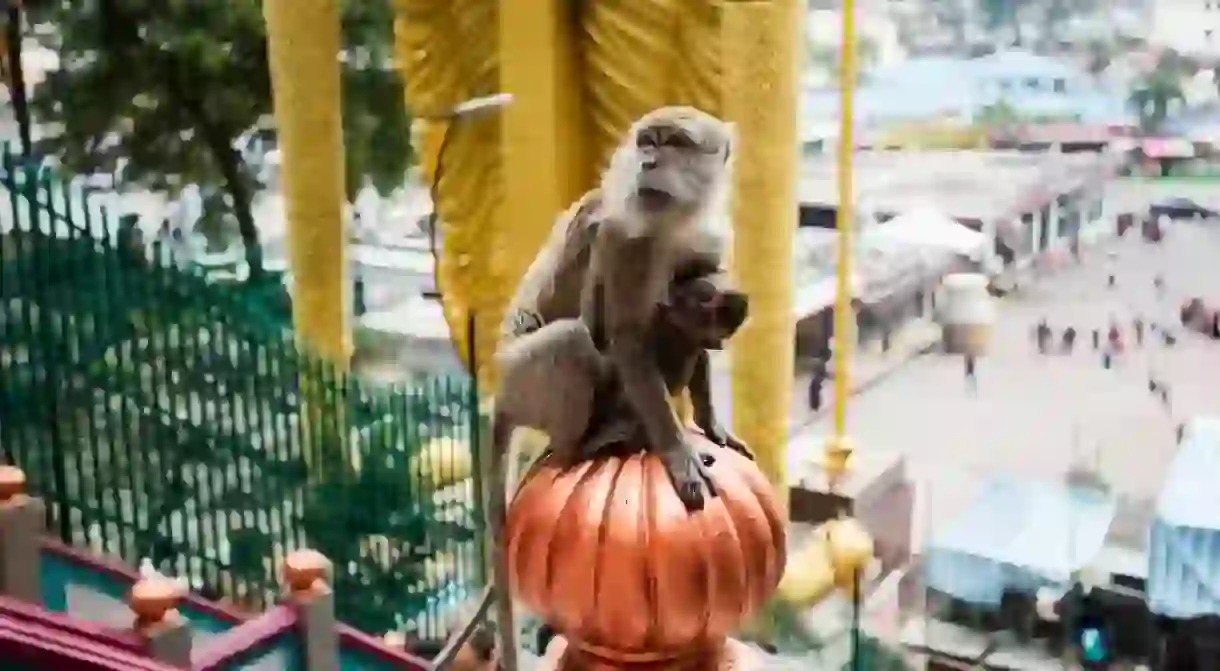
(607, 554)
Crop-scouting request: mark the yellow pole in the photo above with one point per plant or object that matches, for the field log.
(542, 132)
(760, 65)
(838, 448)
(303, 44)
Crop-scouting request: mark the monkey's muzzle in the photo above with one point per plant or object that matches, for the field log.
(733, 310)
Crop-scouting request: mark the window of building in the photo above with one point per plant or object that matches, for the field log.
(1032, 83)
(1060, 85)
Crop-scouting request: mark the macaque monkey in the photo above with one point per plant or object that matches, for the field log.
(699, 313)
(579, 327)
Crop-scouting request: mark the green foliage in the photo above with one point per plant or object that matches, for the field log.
(163, 89)
(998, 14)
(830, 56)
(1000, 114)
(1156, 91)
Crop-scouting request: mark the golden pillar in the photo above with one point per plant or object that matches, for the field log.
(543, 129)
(760, 47)
(304, 44)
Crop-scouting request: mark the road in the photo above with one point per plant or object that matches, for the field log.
(1037, 415)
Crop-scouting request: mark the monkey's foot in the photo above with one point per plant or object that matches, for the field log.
(688, 469)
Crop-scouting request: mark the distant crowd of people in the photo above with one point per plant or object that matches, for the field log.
(1115, 342)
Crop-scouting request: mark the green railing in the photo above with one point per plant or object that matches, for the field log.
(168, 417)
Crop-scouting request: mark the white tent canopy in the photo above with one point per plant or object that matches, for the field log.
(929, 228)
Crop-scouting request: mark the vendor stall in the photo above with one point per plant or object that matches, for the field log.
(1018, 535)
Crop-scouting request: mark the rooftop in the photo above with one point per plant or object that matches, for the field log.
(980, 185)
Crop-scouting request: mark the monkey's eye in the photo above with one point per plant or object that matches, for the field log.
(646, 142)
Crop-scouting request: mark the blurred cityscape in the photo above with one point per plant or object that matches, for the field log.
(1051, 501)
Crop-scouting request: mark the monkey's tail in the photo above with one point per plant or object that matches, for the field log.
(496, 476)
(497, 517)
(447, 654)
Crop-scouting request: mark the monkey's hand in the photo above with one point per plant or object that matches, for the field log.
(688, 469)
(725, 438)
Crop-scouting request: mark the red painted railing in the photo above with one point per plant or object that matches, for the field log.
(34, 637)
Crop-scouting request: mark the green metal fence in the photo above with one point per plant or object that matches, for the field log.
(168, 417)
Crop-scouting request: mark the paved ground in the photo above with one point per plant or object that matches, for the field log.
(1037, 415)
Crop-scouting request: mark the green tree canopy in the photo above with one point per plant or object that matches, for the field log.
(166, 87)
(1154, 93)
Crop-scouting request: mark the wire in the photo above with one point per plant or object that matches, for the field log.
(434, 217)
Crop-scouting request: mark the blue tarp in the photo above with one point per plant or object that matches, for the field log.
(1018, 535)
(1184, 551)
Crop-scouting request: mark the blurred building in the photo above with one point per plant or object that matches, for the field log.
(1025, 204)
(1191, 27)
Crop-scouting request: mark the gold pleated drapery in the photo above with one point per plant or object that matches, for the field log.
(581, 72)
(448, 52)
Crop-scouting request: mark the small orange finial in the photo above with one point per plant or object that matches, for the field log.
(12, 483)
(154, 599)
(305, 570)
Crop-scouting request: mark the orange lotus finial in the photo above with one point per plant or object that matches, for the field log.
(306, 571)
(12, 483)
(154, 600)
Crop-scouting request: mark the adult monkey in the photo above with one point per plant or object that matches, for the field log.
(596, 284)
(578, 327)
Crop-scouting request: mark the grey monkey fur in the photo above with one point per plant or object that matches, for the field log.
(699, 313)
(577, 341)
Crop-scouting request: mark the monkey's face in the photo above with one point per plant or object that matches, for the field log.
(707, 309)
(679, 159)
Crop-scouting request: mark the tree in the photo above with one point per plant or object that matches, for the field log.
(829, 56)
(169, 86)
(1100, 54)
(999, 15)
(1000, 114)
(1156, 91)
(1054, 13)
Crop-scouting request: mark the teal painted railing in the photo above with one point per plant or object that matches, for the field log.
(162, 416)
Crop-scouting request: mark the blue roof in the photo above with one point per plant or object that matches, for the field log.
(929, 86)
(1190, 497)
(1019, 534)
(1184, 548)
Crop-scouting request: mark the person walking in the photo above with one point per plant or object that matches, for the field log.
(971, 378)
(1042, 335)
(816, 380)
(1139, 332)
